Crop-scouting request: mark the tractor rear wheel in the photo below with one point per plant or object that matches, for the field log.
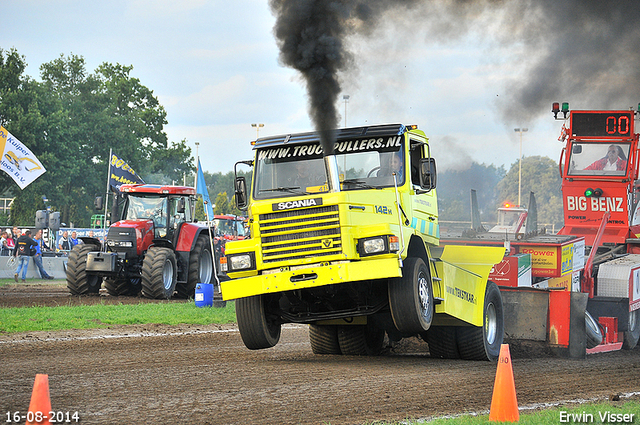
(483, 343)
(200, 268)
(258, 328)
(159, 273)
(79, 281)
(411, 297)
(324, 339)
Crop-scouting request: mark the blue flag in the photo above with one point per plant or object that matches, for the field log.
(201, 189)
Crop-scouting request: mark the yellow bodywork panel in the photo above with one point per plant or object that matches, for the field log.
(464, 271)
(317, 275)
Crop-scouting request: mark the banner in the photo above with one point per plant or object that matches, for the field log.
(18, 161)
(121, 173)
(201, 188)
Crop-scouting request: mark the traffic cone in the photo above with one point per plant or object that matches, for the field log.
(40, 405)
(504, 404)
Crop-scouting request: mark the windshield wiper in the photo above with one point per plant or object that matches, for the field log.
(361, 184)
(290, 189)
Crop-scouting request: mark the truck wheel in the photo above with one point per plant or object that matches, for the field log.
(483, 343)
(159, 273)
(632, 336)
(592, 330)
(122, 286)
(79, 281)
(200, 268)
(360, 340)
(443, 342)
(411, 297)
(324, 339)
(258, 328)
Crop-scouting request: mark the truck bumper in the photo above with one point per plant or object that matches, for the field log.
(313, 276)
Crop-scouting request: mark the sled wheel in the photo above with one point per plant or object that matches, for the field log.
(324, 339)
(258, 328)
(632, 336)
(79, 282)
(411, 297)
(360, 340)
(159, 273)
(483, 343)
(592, 330)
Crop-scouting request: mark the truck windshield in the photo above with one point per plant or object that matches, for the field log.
(300, 169)
(598, 159)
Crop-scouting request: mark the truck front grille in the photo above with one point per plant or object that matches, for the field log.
(309, 232)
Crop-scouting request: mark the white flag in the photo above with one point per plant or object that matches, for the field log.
(18, 161)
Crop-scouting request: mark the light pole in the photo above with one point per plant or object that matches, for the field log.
(520, 130)
(346, 100)
(195, 178)
(257, 127)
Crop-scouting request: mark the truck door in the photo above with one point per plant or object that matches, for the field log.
(424, 204)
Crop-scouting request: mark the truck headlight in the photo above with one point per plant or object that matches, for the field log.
(237, 262)
(378, 245)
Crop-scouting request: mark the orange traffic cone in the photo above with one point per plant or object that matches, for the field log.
(504, 404)
(40, 405)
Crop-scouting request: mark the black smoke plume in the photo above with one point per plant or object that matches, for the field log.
(311, 37)
(583, 51)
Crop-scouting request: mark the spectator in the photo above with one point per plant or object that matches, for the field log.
(4, 248)
(15, 235)
(22, 251)
(74, 239)
(65, 242)
(37, 258)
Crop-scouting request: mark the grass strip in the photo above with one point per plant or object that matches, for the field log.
(38, 318)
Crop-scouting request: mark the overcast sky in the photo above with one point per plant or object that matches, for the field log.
(214, 67)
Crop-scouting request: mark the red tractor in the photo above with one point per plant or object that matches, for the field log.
(155, 248)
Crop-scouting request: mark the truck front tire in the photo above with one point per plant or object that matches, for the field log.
(79, 281)
(258, 329)
(411, 297)
(159, 273)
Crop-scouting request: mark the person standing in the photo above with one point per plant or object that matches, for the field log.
(22, 251)
(65, 242)
(37, 258)
(4, 248)
(74, 239)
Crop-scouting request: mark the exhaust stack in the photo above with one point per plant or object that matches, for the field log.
(331, 164)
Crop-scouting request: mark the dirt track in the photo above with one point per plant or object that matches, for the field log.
(205, 375)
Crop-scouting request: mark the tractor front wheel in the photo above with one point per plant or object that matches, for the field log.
(159, 273)
(79, 281)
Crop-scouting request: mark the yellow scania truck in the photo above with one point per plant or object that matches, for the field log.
(348, 243)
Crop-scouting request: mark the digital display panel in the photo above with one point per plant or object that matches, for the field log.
(602, 124)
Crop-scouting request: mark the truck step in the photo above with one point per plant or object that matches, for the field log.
(438, 300)
(437, 279)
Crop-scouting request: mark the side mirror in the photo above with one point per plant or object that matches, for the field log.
(241, 193)
(428, 175)
(577, 149)
(181, 205)
(98, 203)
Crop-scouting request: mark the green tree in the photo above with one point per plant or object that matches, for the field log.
(222, 204)
(71, 120)
(539, 175)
